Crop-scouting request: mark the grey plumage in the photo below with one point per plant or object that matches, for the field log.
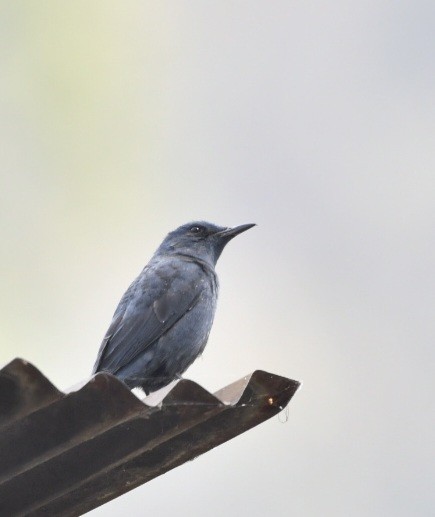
(163, 320)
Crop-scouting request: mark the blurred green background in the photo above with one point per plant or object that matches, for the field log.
(121, 120)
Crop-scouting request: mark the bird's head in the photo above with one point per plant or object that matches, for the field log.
(201, 240)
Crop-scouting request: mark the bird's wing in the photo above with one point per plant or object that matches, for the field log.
(153, 303)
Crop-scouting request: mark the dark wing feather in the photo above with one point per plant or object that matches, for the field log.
(116, 319)
(154, 302)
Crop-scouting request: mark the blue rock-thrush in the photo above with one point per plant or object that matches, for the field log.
(163, 321)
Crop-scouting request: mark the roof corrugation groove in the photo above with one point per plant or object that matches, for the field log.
(64, 454)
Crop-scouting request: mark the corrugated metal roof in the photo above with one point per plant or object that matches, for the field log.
(64, 454)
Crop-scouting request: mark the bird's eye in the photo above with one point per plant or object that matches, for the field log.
(196, 229)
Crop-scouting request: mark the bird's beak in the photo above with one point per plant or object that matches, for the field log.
(229, 233)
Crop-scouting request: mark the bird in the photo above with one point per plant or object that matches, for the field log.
(163, 320)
